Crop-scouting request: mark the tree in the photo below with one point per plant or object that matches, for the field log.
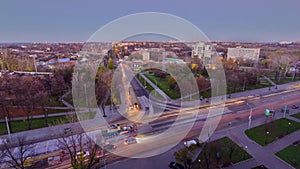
(183, 156)
(103, 86)
(76, 145)
(110, 64)
(15, 154)
(67, 74)
(6, 96)
(203, 84)
(57, 84)
(29, 93)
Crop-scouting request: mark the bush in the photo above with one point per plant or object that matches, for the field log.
(161, 75)
(172, 86)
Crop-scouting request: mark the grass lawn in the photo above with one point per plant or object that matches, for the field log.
(150, 88)
(283, 81)
(143, 81)
(291, 155)
(21, 125)
(297, 115)
(260, 167)
(54, 101)
(277, 129)
(68, 98)
(222, 146)
(164, 85)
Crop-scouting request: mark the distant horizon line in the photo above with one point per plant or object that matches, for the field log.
(66, 42)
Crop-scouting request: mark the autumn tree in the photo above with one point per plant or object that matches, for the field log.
(110, 64)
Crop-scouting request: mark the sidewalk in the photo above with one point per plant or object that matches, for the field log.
(261, 155)
(40, 116)
(256, 92)
(248, 93)
(155, 87)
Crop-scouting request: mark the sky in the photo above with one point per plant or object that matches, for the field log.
(76, 21)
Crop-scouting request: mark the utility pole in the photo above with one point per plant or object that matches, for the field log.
(285, 108)
(8, 129)
(250, 116)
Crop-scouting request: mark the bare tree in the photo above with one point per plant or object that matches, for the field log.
(183, 156)
(28, 95)
(81, 150)
(57, 85)
(16, 154)
(6, 96)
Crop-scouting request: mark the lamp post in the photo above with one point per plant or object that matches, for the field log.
(250, 116)
(288, 129)
(285, 107)
(245, 150)
(267, 136)
(156, 86)
(199, 161)
(8, 128)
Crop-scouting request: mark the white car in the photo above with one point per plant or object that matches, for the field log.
(82, 153)
(190, 142)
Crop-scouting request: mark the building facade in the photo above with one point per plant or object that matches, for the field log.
(244, 54)
(202, 51)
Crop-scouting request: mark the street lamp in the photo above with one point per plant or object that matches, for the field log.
(267, 137)
(199, 161)
(245, 150)
(285, 107)
(288, 129)
(156, 86)
(250, 116)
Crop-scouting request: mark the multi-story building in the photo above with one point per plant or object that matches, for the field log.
(245, 54)
(202, 50)
(146, 55)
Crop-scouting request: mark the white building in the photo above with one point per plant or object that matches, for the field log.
(202, 50)
(244, 53)
(146, 55)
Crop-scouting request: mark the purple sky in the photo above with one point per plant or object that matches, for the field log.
(74, 20)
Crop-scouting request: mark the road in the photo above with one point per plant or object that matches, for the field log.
(236, 112)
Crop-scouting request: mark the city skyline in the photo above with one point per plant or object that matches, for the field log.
(56, 21)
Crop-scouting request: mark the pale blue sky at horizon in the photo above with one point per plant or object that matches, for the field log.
(76, 21)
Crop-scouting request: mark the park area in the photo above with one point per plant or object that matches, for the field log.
(291, 154)
(165, 84)
(272, 131)
(22, 125)
(297, 115)
(220, 153)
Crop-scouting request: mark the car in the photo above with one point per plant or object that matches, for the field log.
(109, 147)
(82, 154)
(191, 142)
(295, 107)
(175, 165)
(67, 130)
(130, 140)
(131, 107)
